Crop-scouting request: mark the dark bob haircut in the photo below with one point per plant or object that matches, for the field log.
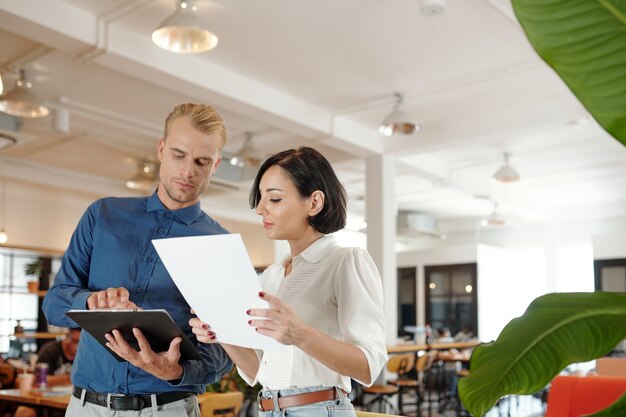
(309, 171)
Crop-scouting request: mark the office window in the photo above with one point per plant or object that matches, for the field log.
(610, 275)
(451, 297)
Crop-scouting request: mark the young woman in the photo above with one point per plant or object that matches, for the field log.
(326, 301)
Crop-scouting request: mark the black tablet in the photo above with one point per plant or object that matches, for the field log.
(156, 325)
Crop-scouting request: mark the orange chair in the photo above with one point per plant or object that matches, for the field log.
(574, 396)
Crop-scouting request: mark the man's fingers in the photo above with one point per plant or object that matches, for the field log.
(175, 346)
(144, 346)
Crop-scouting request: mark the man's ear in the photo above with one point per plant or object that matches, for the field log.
(160, 148)
(316, 202)
(217, 164)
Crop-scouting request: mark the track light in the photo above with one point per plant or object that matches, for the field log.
(398, 122)
(146, 177)
(506, 173)
(184, 32)
(21, 101)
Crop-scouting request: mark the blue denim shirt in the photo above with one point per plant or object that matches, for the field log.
(111, 247)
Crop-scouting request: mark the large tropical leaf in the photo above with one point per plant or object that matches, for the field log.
(584, 41)
(556, 330)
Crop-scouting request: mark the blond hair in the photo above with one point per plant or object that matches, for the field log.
(203, 118)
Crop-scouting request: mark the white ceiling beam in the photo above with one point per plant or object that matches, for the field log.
(134, 54)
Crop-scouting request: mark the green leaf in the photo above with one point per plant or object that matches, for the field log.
(617, 409)
(556, 330)
(584, 41)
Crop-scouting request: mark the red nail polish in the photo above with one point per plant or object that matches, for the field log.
(256, 329)
(249, 321)
(210, 333)
(212, 337)
(248, 312)
(205, 326)
(261, 294)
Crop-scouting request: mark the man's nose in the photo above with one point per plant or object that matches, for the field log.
(188, 168)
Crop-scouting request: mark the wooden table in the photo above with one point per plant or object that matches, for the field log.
(433, 346)
(42, 403)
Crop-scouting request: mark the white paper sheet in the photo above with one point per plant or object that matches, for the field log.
(216, 277)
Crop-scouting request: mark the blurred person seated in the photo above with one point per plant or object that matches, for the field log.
(59, 355)
(443, 335)
(466, 334)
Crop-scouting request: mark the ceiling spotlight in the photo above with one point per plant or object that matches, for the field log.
(146, 177)
(494, 219)
(398, 122)
(248, 155)
(506, 173)
(22, 102)
(184, 32)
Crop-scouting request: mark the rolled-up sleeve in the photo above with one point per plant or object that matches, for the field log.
(359, 294)
(215, 363)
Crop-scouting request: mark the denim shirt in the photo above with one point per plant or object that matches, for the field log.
(111, 247)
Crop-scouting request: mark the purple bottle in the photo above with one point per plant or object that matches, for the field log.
(41, 375)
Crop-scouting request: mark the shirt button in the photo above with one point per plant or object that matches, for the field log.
(161, 231)
(149, 259)
(138, 290)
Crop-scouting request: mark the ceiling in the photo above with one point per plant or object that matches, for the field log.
(321, 74)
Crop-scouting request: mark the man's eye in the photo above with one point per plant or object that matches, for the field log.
(179, 156)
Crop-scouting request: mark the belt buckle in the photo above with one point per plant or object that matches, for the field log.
(260, 398)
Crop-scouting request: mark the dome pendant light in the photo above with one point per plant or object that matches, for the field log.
(184, 32)
(146, 177)
(398, 122)
(21, 102)
(506, 173)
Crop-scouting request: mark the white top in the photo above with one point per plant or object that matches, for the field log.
(339, 292)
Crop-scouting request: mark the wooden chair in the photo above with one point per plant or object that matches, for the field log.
(220, 404)
(399, 364)
(369, 414)
(408, 381)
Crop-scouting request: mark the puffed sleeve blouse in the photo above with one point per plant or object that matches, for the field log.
(337, 291)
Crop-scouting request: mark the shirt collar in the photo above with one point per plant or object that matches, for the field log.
(318, 249)
(187, 215)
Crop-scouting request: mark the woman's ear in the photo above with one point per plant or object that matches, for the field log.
(316, 203)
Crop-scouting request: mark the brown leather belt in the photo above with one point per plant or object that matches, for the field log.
(267, 404)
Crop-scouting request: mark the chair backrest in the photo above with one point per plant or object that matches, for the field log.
(401, 364)
(368, 414)
(575, 396)
(220, 404)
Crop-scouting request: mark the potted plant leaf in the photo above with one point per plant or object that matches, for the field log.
(556, 330)
(584, 41)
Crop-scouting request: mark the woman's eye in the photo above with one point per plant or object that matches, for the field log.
(275, 200)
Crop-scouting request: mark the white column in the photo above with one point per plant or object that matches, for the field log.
(380, 213)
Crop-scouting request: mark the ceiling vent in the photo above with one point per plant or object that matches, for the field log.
(410, 223)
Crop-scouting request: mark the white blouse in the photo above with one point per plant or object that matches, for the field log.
(337, 291)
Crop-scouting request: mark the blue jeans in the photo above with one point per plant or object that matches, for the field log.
(341, 407)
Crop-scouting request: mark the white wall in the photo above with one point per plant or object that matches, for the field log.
(43, 217)
(605, 239)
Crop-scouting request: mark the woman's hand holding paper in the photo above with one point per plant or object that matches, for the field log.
(279, 322)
